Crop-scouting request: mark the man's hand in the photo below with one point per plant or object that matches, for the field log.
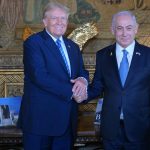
(80, 98)
(79, 89)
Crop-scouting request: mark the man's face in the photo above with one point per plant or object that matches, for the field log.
(56, 22)
(124, 30)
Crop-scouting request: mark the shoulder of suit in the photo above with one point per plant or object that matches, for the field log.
(70, 42)
(34, 37)
(143, 46)
(106, 49)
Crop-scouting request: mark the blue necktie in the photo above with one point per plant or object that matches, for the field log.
(58, 43)
(123, 70)
(124, 67)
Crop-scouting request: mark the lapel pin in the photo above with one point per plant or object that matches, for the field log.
(68, 46)
(111, 54)
(137, 53)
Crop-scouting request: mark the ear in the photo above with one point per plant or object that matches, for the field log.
(112, 30)
(45, 22)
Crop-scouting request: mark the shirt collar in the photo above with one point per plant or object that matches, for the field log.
(53, 36)
(129, 49)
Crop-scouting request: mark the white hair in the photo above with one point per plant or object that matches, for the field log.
(122, 13)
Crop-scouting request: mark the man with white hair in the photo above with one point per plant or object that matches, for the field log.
(122, 75)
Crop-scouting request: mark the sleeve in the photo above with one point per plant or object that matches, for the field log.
(95, 89)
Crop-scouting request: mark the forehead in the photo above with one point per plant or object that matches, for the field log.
(124, 20)
(56, 12)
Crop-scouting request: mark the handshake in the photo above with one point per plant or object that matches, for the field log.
(79, 89)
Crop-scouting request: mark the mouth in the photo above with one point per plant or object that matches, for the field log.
(124, 39)
(58, 28)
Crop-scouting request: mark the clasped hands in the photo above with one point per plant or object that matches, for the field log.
(79, 89)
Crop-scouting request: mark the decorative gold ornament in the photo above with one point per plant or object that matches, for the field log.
(82, 34)
(27, 32)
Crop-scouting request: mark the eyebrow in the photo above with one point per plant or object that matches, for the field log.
(125, 26)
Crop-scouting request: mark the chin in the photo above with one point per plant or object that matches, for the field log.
(125, 44)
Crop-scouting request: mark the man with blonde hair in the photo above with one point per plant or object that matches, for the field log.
(54, 77)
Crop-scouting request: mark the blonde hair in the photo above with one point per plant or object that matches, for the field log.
(53, 5)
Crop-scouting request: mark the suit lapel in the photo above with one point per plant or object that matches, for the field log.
(70, 54)
(135, 63)
(54, 49)
(113, 66)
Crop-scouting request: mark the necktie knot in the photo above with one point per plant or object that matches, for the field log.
(58, 43)
(125, 53)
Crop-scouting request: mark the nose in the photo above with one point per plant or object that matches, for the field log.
(124, 32)
(59, 20)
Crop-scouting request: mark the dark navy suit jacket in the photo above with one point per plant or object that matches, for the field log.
(134, 97)
(47, 107)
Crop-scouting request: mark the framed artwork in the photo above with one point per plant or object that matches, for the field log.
(13, 89)
(98, 112)
(9, 110)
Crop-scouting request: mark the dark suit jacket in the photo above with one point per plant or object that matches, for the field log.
(47, 107)
(134, 97)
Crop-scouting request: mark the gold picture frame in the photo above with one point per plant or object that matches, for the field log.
(13, 89)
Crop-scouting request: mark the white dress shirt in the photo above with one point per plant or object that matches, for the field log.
(119, 53)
